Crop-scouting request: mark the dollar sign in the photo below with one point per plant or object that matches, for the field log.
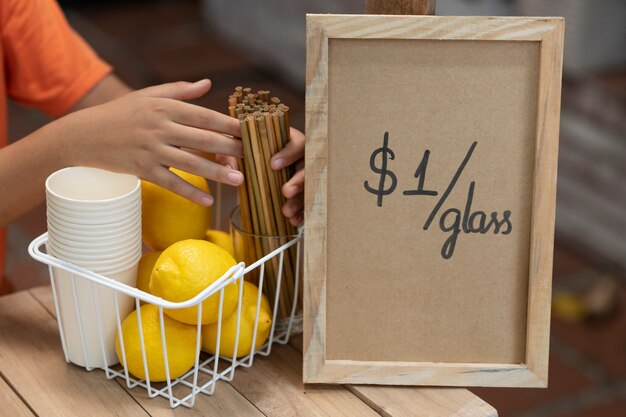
(381, 191)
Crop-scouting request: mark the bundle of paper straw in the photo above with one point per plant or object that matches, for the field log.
(264, 131)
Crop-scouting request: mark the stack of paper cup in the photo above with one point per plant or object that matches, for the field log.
(94, 222)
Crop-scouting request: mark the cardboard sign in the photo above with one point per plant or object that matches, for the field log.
(430, 197)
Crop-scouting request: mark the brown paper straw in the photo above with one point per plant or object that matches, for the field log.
(265, 131)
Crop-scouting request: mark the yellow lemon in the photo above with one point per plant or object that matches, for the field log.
(221, 239)
(246, 326)
(185, 269)
(180, 340)
(146, 263)
(569, 307)
(168, 218)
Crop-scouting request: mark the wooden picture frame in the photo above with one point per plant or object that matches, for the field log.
(533, 370)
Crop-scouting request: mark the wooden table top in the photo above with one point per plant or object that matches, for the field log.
(36, 380)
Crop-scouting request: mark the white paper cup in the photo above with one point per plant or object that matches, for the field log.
(97, 211)
(119, 268)
(108, 269)
(90, 233)
(91, 298)
(102, 238)
(110, 257)
(94, 221)
(90, 188)
(100, 266)
(110, 247)
(94, 250)
(93, 242)
(79, 222)
(87, 206)
(95, 246)
(95, 231)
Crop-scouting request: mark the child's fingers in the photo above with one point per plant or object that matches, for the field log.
(167, 179)
(198, 165)
(293, 206)
(206, 140)
(203, 118)
(181, 90)
(295, 185)
(227, 161)
(297, 219)
(293, 151)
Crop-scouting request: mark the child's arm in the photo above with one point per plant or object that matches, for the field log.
(141, 133)
(109, 88)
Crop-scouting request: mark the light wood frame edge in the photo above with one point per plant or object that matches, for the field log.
(534, 373)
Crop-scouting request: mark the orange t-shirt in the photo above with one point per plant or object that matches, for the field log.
(45, 64)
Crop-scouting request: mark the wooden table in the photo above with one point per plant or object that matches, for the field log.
(36, 380)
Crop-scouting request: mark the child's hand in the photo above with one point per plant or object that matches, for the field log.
(293, 189)
(147, 131)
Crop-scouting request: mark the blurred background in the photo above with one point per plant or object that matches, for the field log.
(261, 44)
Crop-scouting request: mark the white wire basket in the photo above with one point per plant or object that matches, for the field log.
(86, 289)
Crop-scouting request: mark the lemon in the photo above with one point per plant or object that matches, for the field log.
(180, 340)
(246, 326)
(167, 217)
(569, 307)
(146, 263)
(221, 239)
(185, 269)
